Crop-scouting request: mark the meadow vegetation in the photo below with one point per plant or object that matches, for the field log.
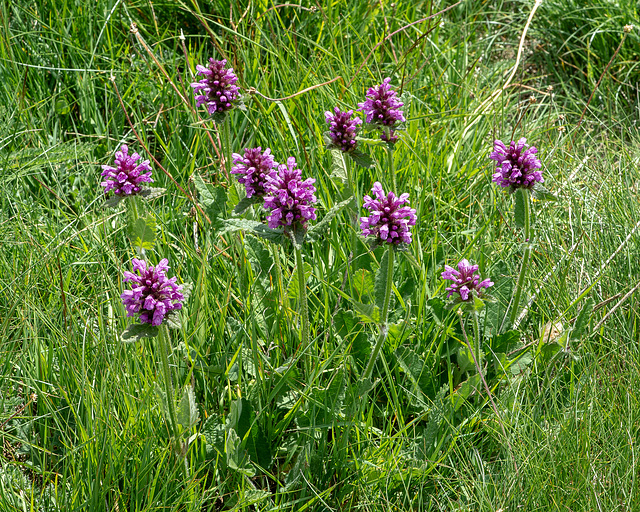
(272, 411)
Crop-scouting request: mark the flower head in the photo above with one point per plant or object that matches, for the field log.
(217, 89)
(125, 178)
(517, 165)
(388, 220)
(254, 167)
(382, 107)
(153, 294)
(288, 197)
(343, 128)
(465, 281)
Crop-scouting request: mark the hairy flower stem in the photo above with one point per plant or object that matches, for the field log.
(226, 144)
(302, 290)
(163, 338)
(476, 335)
(384, 328)
(525, 259)
(392, 171)
(351, 180)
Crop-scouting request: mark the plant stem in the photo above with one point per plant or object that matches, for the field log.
(383, 317)
(302, 290)
(476, 335)
(525, 259)
(391, 169)
(163, 338)
(226, 135)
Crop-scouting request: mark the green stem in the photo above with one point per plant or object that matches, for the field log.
(384, 329)
(391, 169)
(302, 290)
(476, 335)
(525, 259)
(163, 338)
(226, 135)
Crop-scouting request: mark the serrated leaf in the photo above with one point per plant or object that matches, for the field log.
(214, 199)
(187, 410)
(173, 319)
(135, 332)
(338, 165)
(541, 193)
(583, 320)
(113, 201)
(361, 159)
(380, 284)
(520, 207)
(237, 458)
(519, 364)
(142, 232)
(321, 227)
(245, 203)
(255, 228)
(151, 193)
(367, 312)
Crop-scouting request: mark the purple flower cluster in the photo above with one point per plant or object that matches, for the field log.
(289, 197)
(517, 165)
(343, 128)
(125, 178)
(153, 294)
(465, 281)
(389, 220)
(254, 167)
(382, 107)
(217, 89)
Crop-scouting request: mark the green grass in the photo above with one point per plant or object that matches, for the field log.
(80, 420)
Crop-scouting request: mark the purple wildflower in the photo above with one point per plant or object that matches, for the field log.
(217, 89)
(254, 168)
(343, 128)
(389, 220)
(465, 281)
(125, 178)
(516, 165)
(288, 197)
(382, 108)
(153, 294)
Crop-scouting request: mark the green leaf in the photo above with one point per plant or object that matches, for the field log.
(135, 332)
(505, 342)
(380, 285)
(62, 107)
(465, 359)
(542, 194)
(519, 364)
(245, 203)
(583, 320)
(213, 199)
(367, 312)
(338, 165)
(219, 117)
(292, 288)
(113, 201)
(142, 232)
(321, 227)
(255, 228)
(361, 159)
(187, 410)
(237, 458)
(466, 389)
(173, 319)
(501, 291)
(519, 207)
(151, 193)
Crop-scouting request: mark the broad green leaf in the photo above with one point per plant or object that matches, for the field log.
(135, 332)
(151, 192)
(519, 207)
(214, 199)
(505, 342)
(245, 203)
(519, 364)
(465, 390)
(142, 232)
(361, 159)
(237, 458)
(320, 228)
(367, 312)
(292, 288)
(187, 410)
(173, 319)
(338, 165)
(542, 194)
(255, 228)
